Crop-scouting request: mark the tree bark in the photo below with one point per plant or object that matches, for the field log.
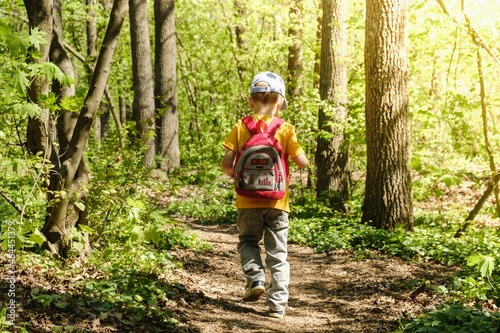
(241, 41)
(295, 65)
(388, 197)
(71, 169)
(142, 72)
(484, 117)
(166, 86)
(40, 132)
(317, 53)
(91, 30)
(332, 158)
(65, 121)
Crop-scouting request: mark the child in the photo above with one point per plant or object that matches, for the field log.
(259, 218)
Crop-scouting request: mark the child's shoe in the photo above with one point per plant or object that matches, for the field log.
(254, 291)
(277, 314)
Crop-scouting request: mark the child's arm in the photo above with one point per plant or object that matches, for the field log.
(228, 161)
(300, 160)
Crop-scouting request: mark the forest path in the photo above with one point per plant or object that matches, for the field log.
(328, 293)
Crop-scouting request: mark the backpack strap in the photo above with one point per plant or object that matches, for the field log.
(274, 125)
(261, 126)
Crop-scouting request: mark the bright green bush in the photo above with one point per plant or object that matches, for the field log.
(453, 319)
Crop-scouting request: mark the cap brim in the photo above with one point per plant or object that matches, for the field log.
(284, 106)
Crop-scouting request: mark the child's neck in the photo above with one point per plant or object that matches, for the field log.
(268, 110)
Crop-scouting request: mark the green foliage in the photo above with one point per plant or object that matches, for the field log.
(432, 240)
(451, 318)
(129, 292)
(484, 263)
(212, 203)
(5, 324)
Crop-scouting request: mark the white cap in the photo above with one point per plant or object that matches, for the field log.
(275, 85)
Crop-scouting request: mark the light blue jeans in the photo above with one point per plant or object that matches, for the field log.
(272, 224)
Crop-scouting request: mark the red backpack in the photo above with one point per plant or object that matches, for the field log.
(261, 169)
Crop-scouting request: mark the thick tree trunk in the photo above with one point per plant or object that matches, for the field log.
(388, 198)
(69, 176)
(332, 159)
(40, 132)
(166, 86)
(142, 72)
(65, 124)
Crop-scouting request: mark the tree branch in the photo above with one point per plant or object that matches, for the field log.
(476, 38)
(472, 214)
(13, 203)
(107, 94)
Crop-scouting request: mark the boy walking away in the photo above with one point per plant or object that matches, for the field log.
(262, 204)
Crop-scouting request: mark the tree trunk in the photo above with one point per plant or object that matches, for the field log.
(69, 176)
(166, 85)
(388, 197)
(142, 72)
(40, 131)
(317, 53)
(91, 29)
(332, 159)
(65, 123)
(295, 65)
(241, 41)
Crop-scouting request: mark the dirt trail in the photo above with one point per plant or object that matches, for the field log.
(328, 293)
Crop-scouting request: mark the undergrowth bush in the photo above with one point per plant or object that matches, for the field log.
(432, 240)
(453, 318)
(131, 235)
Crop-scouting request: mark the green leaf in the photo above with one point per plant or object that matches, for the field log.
(49, 70)
(136, 233)
(37, 237)
(473, 260)
(37, 38)
(32, 109)
(78, 246)
(487, 266)
(44, 299)
(72, 103)
(20, 239)
(19, 82)
(17, 165)
(103, 307)
(450, 180)
(152, 235)
(80, 205)
(61, 305)
(416, 164)
(442, 289)
(16, 42)
(136, 204)
(86, 228)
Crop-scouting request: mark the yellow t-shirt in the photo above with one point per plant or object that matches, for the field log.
(288, 141)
